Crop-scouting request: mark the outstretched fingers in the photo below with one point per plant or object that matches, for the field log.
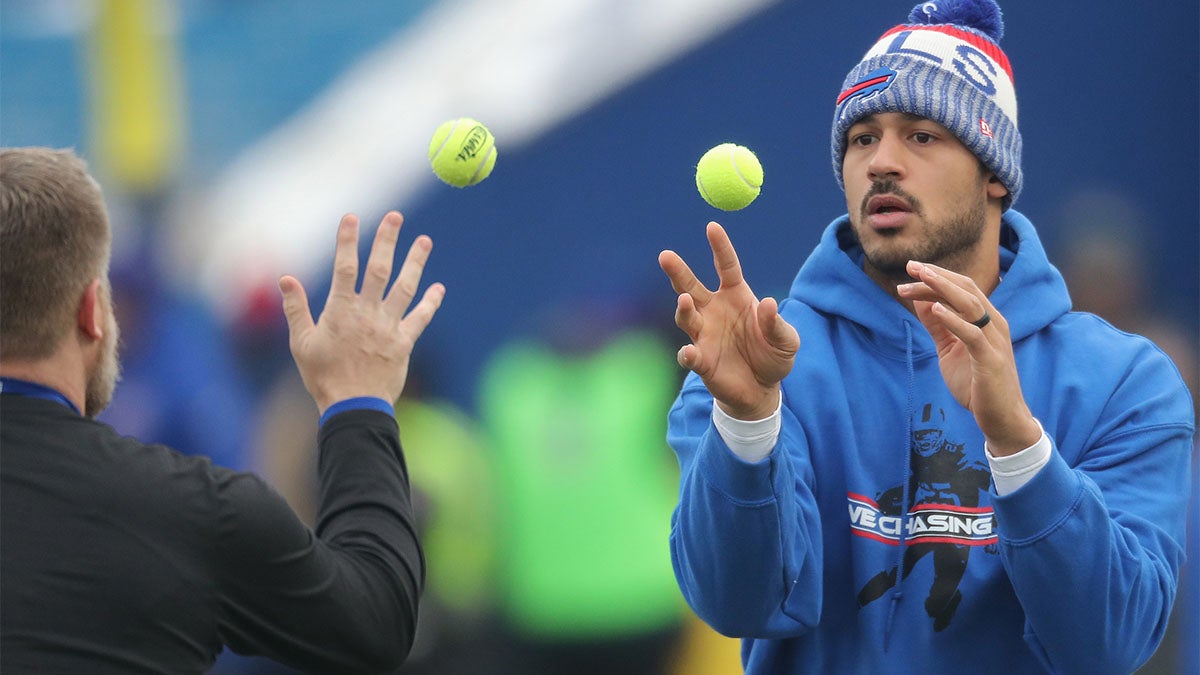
(345, 258)
(383, 252)
(725, 259)
(295, 306)
(691, 321)
(420, 316)
(409, 278)
(683, 279)
(687, 317)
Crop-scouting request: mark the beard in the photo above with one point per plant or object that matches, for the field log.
(947, 243)
(103, 381)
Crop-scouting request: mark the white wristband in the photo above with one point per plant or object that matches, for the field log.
(1011, 472)
(750, 440)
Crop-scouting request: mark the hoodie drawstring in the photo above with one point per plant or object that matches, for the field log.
(896, 593)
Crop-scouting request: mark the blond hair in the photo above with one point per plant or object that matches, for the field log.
(54, 240)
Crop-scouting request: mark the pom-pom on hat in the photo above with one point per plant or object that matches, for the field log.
(944, 65)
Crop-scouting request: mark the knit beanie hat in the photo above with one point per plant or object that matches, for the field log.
(943, 65)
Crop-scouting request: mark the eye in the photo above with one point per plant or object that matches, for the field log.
(923, 137)
(862, 139)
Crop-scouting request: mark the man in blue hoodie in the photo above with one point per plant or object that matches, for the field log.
(836, 509)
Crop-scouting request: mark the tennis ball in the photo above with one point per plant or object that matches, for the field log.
(729, 177)
(462, 152)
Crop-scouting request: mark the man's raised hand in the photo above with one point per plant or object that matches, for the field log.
(363, 340)
(741, 348)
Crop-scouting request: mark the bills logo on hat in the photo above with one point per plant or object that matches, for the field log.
(874, 82)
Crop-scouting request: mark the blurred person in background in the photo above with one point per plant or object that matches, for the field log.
(931, 295)
(179, 382)
(118, 556)
(584, 487)
(456, 515)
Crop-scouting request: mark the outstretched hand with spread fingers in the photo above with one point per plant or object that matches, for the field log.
(362, 342)
(741, 347)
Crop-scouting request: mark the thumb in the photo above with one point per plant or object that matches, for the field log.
(779, 333)
(295, 305)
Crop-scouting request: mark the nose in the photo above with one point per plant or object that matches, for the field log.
(887, 159)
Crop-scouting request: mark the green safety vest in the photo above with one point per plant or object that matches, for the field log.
(447, 465)
(585, 486)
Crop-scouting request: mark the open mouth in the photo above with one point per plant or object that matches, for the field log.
(885, 204)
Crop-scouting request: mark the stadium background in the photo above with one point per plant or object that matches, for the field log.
(231, 136)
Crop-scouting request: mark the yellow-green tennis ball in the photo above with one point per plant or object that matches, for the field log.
(462, 152)
(729, 177)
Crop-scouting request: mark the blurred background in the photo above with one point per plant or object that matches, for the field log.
(230, 137)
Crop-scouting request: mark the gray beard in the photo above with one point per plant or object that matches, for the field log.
(103, 382)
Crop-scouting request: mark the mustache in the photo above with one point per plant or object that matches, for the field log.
(889, 187)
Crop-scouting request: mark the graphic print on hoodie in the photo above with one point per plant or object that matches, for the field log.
(945, 518)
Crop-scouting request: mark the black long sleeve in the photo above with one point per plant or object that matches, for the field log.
(116, 556)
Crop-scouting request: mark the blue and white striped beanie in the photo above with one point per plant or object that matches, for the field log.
(944, 65)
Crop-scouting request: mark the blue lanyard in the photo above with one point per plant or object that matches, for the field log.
(9, 385)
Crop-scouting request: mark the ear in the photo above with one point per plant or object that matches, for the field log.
(91, 310)
(996, 189)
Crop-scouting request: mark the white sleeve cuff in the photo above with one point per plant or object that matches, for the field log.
(1012, 472)
(750, 440)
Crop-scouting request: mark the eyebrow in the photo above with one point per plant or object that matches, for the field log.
(911, 117)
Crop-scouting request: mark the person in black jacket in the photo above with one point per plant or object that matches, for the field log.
(121, 557)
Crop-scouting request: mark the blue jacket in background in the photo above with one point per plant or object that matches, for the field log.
(871, 540)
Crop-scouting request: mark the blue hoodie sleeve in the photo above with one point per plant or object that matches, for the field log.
(1093, 544)
(745, 538)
